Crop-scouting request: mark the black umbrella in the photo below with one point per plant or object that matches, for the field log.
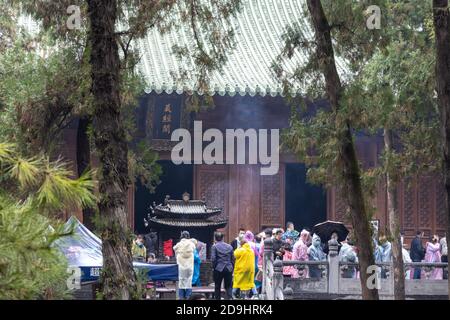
(325, 229)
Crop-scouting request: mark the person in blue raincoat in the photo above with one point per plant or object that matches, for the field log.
(197, 262)
(347, 254)
(315, 253)
(383, 254)
(291, 235)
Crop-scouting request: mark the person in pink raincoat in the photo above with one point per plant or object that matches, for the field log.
(300, 252)
(433, 254)
(264, 235)
(250, 238)
(290, 271)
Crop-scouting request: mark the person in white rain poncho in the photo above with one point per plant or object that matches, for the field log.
(184, 251)
(406, 259)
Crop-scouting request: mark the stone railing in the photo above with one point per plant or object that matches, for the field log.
(334, 279)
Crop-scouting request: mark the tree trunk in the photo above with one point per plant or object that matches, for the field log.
(394, 226)
(118, 278)
(84, 163)
(350, 169)
(441, 20)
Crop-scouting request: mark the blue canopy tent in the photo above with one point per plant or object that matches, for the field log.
(83, 249)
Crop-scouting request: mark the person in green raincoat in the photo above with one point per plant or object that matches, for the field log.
(138, 250)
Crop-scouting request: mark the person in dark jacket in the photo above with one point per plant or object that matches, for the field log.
(151, 244)
(222, 259)
(417, 252)
(235, 243)
(278, 245)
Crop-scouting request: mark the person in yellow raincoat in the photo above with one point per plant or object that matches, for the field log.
(244, 268)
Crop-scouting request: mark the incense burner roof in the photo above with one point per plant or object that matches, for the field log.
(192, 209)
(185, 213)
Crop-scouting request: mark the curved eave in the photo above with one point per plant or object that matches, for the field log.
(227, 91)
(165, 213)
(169, 223)
(168, 215)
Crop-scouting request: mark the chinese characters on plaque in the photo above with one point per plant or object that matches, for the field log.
(166, 117)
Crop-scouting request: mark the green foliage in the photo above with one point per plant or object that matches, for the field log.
(143, 166)
(59, 191)
(8, 26)
(46, 77)
(48, 185)
(32, 192)
(211, 25)
(30, 268)
(141, 281)
(388, 83)
(314, 140)
(40, 91)
(56, 68)
(142, 159)
(398, 86)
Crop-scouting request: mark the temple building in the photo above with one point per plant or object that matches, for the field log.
(246, 95)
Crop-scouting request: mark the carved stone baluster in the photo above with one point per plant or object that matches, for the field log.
(445, 271)
(278, 280)
(334, 270)
(427, 271)
(267, 286)
(288, 292)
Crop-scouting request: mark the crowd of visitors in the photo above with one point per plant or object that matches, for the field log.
(237, 267)
(435, 250)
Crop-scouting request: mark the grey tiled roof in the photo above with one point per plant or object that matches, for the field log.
(259, 30)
